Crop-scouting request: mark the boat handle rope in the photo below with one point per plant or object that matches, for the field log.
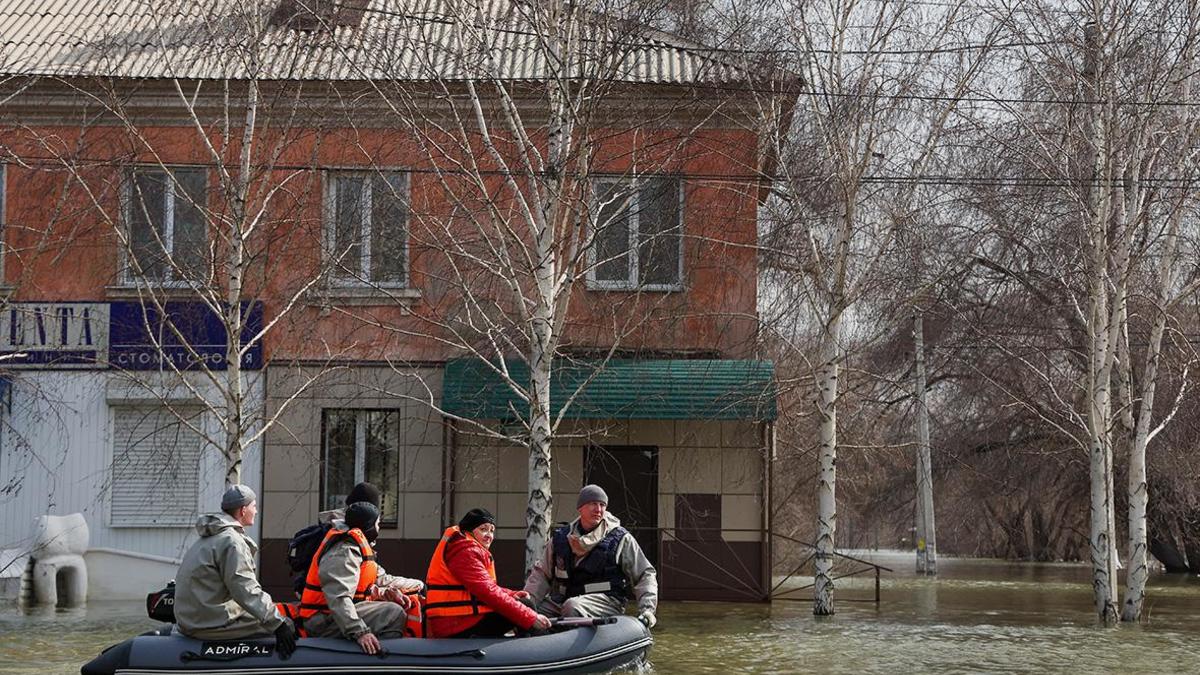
(189, 656)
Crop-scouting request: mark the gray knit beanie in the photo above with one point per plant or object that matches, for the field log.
(591, 493)
(237, 496)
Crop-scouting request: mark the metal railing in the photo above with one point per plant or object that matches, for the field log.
(704, 547)
(861, 567)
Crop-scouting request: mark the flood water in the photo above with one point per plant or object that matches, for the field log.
(977, 616)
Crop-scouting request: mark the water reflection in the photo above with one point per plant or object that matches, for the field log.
(976, 616)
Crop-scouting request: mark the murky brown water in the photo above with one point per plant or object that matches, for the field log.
(977, 616)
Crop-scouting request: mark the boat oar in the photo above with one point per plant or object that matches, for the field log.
(473, 653)
(582, 621)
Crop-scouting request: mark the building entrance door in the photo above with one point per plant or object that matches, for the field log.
(629, 474)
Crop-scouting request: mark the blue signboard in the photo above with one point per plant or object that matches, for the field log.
(183, 336)
(128, 335)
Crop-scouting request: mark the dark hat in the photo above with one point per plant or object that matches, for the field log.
(363, 492)
(591, 493)
(362, 515)
(474, 518)
(236, 496)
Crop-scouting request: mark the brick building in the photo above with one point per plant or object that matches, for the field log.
(115, 196)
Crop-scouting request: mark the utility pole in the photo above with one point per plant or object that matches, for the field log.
(926, 533)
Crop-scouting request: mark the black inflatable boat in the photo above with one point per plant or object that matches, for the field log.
(589, 649)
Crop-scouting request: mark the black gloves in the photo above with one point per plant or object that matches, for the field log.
(285, 638)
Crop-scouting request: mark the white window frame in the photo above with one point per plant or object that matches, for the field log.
(631, 283)
(360, 455)
(362, 276)
(128, 199)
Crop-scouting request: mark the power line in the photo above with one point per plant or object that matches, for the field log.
(743, 178)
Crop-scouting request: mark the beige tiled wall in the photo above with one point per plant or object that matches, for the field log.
(292, 452)
(694, 457)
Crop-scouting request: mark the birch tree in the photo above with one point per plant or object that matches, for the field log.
(1165, 227)
(1099, 128)
(858, 143)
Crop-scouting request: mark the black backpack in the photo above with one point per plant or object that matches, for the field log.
(301, 549)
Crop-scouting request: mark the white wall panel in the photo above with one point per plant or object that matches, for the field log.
(55, 454)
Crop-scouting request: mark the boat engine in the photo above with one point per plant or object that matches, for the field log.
(160, 605)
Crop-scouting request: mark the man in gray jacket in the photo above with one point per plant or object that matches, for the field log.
(217, 594)
(382, 614)
(593, 567)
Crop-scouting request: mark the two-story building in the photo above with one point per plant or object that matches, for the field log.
(123, 133)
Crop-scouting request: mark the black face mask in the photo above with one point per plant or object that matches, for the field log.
(371, 534)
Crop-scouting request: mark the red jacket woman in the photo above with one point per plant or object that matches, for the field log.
(463, 598)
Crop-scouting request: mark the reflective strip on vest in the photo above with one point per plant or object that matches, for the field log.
(444, 594)
(312, 599)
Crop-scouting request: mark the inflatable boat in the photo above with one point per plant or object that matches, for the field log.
(595, 647)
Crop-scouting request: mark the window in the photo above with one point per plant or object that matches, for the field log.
(155, 465)
(638, 241)
(367, 231)
(168, 239)
(362, 445)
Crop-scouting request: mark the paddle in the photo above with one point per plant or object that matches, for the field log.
(582, 621)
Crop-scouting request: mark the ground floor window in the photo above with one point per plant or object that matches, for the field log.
(362, 445)
(155, 465)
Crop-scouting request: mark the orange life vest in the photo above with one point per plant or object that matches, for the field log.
(312, 599)
(444, 594)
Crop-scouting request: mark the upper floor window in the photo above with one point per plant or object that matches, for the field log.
(638, 242)
(167, 237)
(366, 235)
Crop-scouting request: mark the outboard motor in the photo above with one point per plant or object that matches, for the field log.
(160, 605)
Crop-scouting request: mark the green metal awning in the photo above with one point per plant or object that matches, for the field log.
(675, 389)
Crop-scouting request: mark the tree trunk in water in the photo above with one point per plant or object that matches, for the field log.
(926, 533)
(827, 394)
(1139, 570)
(1101, 342)
(1100, 456)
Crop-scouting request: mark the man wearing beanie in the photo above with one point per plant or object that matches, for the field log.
(357, 599)
(303, 544)
(217, 594)
(464, 599)
(362, 492)
(593, 567)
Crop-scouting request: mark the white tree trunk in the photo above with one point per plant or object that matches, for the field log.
(1102, 527)
(1139, 570)
(926, 532)
(1102, 340)
(235, 270)
(540, 507)
(827, 395)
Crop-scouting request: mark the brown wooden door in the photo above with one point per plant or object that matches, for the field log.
(629, 474)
